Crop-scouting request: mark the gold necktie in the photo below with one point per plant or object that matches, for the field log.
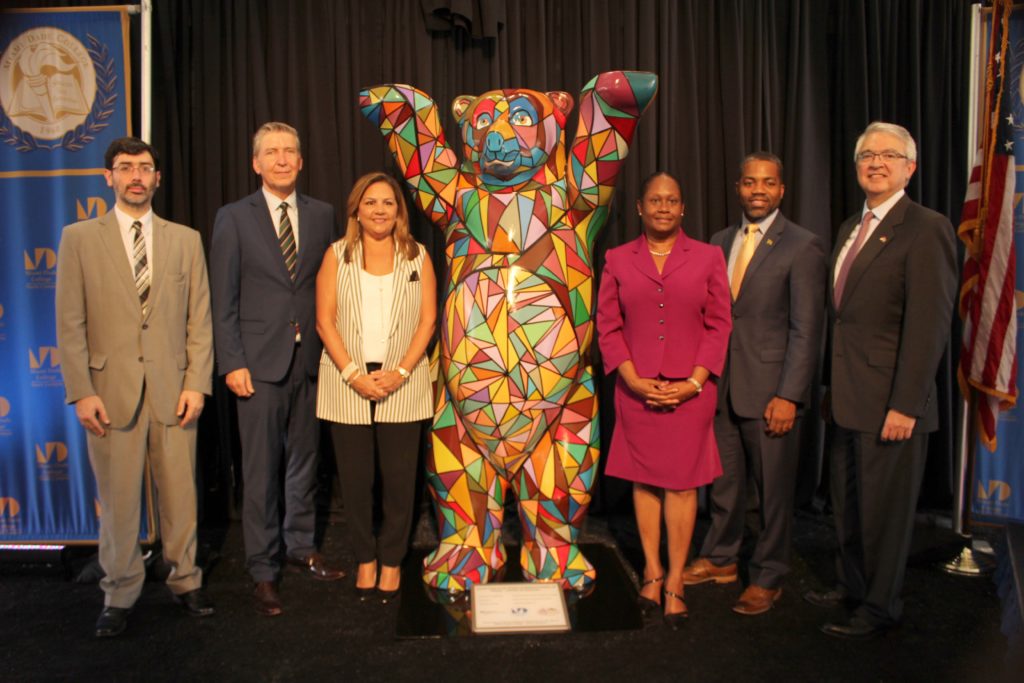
(739, 269)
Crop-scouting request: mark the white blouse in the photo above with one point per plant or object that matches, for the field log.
(377, 292)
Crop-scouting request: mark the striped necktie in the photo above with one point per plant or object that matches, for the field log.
(140, 264)
(286, 237)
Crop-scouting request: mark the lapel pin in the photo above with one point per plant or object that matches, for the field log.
(883, 239)
(771, 242)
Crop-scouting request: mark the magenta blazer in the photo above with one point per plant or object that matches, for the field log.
(669, 323)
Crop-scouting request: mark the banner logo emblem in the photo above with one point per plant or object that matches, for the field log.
(54, 88)
(51, 461)
(9, 509)
(40, 268)
(999, 490)
(45, 357)
(50, 451)
(5, 417)
(93, 208)
(44, 366)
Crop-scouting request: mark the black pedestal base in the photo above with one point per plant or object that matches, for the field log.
(609, 606)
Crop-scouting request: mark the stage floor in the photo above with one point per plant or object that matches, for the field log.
(950, 632)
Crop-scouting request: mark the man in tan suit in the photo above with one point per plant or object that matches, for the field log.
(136, 347)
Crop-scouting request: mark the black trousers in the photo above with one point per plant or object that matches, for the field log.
(875, 485)
(752, 457)
(357, 450)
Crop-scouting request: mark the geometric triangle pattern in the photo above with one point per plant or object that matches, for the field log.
(515, 401)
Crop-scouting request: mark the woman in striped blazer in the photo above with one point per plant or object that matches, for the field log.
(375, 311)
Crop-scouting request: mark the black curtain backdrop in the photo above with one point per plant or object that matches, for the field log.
(800, 78)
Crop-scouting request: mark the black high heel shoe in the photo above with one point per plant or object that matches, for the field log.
(365, 594)
(385, 596)
(388, 596)
(675, 620)
(646, 604)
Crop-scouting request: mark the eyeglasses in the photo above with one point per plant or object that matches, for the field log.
(887, 156)
(142, 169)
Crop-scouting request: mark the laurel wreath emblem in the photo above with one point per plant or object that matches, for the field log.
(96, 121)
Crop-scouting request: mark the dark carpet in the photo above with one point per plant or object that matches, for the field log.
(951, 629)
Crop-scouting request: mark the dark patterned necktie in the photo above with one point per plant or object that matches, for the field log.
(851, 255)
(140, 264)
(286, 237)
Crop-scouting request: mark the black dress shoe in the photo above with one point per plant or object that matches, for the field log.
(266, 600)
(112, 622)
(196, 603)
(315, 565)
(388, 596)
(856, 628)
(827, 599)
(365, 594)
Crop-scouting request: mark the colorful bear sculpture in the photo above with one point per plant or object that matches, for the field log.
(516, 403)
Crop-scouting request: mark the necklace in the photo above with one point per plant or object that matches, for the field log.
(655, 252)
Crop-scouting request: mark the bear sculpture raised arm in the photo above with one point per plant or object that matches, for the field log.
(516, 405)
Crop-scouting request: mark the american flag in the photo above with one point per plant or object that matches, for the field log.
(988, 357)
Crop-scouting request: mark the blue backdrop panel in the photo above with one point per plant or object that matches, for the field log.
(997, 486)
(63, 98)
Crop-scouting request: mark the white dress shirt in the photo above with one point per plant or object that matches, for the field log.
(880, 212)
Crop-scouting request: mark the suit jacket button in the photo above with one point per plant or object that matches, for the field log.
(661, 322)
(660, 338)
(661, 305)
(145, 326)
(140, 359)
(660, 290)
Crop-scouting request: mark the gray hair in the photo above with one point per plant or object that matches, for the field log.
(274, 127)
(890, 129)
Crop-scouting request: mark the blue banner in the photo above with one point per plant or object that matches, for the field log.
(64, 96)
(997, 482)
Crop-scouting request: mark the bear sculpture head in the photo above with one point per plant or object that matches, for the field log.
(513, 139)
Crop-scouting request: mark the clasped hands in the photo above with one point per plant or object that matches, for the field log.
(377, 384)
(663, 394)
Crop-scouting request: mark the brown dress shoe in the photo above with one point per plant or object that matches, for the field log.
(266, 600)
(756, 600)
(315, 565)
(702, 571)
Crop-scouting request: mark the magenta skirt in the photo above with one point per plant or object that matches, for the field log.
(673, 450)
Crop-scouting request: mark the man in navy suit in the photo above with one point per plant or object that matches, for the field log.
(893, 283)
(263, 263)
(777, 276)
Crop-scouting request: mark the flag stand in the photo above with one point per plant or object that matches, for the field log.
(969, 563)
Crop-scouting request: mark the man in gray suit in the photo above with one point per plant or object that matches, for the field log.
(136, 348)
(893, 284)
(264, 259)
(777, 275)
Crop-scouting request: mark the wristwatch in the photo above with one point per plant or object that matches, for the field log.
(403, 372)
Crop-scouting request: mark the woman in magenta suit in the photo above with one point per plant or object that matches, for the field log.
(664, 322)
